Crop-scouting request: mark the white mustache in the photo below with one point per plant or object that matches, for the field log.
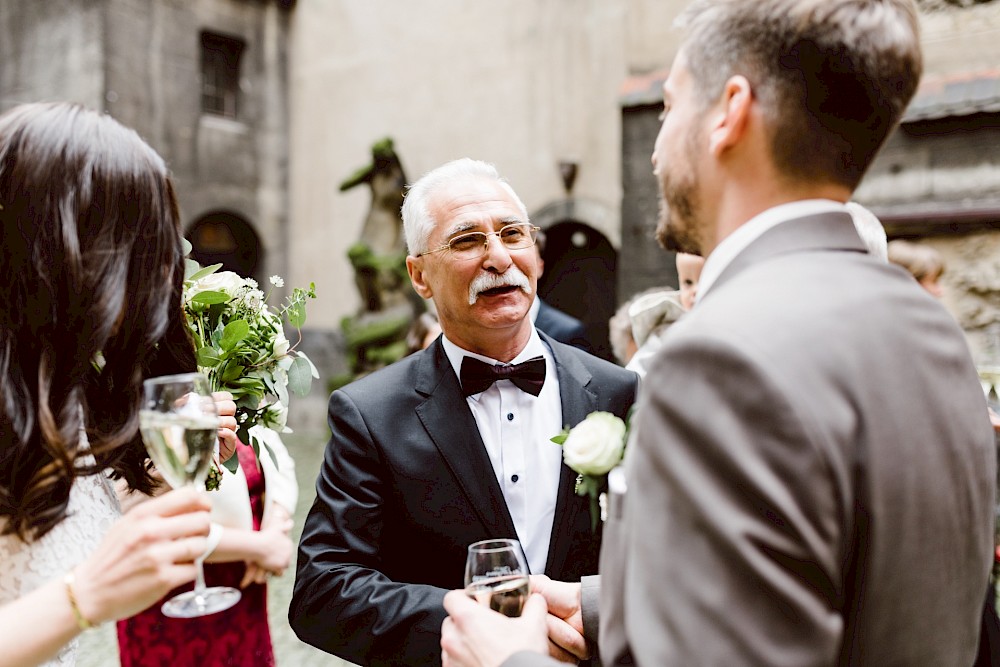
(512, 277)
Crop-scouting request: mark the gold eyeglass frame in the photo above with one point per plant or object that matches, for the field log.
(532, 230)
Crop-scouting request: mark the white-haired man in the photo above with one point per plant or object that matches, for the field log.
(452, 444)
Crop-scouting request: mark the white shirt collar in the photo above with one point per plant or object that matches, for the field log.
(754, 228)
(536, 305)
(534, 348)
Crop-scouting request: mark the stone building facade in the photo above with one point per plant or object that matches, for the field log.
(205, 83)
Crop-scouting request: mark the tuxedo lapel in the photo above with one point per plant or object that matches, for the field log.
(577, 402)
(450, 424)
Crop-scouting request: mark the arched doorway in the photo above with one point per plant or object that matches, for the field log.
(579, 278)
(227, 239)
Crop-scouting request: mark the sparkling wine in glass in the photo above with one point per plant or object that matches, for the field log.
(179, 425)
(496, 575)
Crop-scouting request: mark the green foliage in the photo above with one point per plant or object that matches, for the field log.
(378, 331)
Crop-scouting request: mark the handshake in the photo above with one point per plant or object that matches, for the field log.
(551, 622)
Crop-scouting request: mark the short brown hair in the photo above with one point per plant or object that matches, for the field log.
(833, 76)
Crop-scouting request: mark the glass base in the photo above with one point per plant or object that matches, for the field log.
(201, 603)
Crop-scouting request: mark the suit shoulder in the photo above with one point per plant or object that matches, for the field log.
(560, 318)
(600, 368)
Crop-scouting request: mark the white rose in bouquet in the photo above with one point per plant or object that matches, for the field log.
(275, 417)
(220, 281)
(595, 445)
(280, 346)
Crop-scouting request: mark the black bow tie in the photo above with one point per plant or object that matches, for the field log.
(478, 376)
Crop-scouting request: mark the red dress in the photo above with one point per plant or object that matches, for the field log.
(236, 637)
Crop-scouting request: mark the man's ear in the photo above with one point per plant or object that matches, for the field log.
(414, 266)
(731, 115)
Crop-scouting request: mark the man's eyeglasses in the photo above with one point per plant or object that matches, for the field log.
(474, 245)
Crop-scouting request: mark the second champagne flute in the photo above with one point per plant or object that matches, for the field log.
(179, 425)
(496, 575)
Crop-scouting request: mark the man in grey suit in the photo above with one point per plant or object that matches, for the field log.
(809, 480)
(452, 444)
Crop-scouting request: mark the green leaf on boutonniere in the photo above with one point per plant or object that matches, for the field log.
(560, 439)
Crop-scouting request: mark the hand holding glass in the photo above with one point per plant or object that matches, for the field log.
(497, 575)
(179, 425)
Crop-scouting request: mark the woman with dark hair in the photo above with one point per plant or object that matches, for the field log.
(91, 272)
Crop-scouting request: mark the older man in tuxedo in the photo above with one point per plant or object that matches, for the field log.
(810, 476)
(450, 445)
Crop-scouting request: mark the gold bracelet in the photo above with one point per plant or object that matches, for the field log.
(81, 620)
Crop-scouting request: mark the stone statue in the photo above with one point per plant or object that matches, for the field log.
(375, 337)
(379, 256)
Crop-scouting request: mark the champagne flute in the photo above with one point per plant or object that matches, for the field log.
(497, 575)
(179, 425)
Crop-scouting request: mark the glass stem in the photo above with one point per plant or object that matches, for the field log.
(199, 580)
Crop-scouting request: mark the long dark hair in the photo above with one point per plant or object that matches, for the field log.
(91, 274)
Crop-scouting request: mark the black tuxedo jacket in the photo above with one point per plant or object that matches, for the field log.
(405, 487)
(563, 327)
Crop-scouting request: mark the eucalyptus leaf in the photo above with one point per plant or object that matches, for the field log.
(233, 462)
(297, 314)
(210, 297)
(191, 268)
(186, 247)
(300, 376)
(312, 366)
(207, 271)
(256, 442)
(270, 451)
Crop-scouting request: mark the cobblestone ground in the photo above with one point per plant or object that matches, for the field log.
(99, 648)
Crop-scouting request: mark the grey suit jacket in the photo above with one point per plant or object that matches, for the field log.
(810, 473)
(406, 485)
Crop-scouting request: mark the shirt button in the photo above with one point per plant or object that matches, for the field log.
(513, 478)
(510, 416)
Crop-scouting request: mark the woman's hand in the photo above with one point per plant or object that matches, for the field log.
(148, 552)
(226, 407)
(275, 554)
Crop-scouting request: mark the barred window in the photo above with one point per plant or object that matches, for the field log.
(220, 74)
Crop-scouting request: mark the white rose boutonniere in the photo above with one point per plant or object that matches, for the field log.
(592, 448)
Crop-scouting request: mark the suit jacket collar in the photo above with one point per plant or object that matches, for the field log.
(450, 424)
(445, 414)
(827, 231)
(577, 400)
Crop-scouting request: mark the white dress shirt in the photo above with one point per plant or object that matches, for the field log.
(516, 428)
(752, 229)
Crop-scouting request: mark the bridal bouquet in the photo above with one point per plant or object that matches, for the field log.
(592, 448)
(242, 348)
